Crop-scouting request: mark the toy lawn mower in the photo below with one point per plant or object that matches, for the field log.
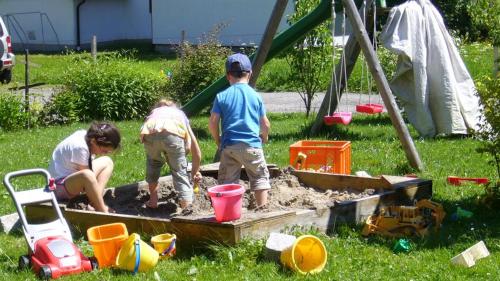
(51, 251)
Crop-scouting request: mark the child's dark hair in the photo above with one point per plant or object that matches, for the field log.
(104, 133)
(236, 71)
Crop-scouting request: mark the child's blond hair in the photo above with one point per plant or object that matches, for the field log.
(164, 102)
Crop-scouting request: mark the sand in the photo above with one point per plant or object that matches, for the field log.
(286, 193)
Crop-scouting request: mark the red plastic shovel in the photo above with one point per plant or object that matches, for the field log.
(458, 180)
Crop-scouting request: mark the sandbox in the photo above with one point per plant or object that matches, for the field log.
(297, 199)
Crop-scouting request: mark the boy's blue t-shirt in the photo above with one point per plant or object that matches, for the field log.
(240, 109)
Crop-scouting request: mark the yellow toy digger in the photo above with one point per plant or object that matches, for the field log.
(397, 221)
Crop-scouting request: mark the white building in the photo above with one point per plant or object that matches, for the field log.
(59, 24)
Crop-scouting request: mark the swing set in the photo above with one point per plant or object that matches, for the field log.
(337, 117)
(345, 117)
(355, 44)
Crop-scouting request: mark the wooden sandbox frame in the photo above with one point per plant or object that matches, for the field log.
(199, 230)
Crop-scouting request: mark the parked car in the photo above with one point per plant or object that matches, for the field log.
(7, 58)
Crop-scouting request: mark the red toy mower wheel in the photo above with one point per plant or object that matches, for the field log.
(45, 272)
(94, 263)
(24, 262)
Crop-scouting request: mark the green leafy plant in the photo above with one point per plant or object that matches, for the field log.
(275, 76)
(488, 89)
(62, 108)
(114, 87)
(308, 58)
(12, 114)
(199, 66)
(486, 14)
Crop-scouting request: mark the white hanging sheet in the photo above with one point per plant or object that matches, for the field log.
(431, 80)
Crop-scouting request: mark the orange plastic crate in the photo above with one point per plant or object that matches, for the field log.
(322, 156)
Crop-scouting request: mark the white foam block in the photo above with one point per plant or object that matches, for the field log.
(469, 257)
(276, 243)
(9, 223)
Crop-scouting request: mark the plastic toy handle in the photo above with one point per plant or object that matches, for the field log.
(52, 184)
(170, 248)
(137, 255)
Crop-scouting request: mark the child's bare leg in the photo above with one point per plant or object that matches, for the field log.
(153, 195)
(184, 203)
(85, 180)
(103, 169)
(261, 197)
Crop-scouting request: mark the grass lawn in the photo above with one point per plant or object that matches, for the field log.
(375, 149)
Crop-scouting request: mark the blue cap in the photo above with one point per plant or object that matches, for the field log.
(243, 63)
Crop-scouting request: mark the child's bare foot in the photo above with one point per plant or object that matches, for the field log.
(152, 204)
(153, 200)
(183, 203)
(188, 210)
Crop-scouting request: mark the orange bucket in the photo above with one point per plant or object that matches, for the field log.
(106, 241)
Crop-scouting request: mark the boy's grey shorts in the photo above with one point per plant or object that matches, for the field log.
(234, 156)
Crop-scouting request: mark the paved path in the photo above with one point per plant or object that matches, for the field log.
(292, 102)
(274, 102)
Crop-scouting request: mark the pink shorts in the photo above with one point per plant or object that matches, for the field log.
(61, 192)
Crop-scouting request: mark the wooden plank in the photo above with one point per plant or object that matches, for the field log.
(337, 181)
(396, 179)
(267, 40)
(358, 210)
(189, 233)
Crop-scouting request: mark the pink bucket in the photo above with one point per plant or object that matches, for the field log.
(227, 200)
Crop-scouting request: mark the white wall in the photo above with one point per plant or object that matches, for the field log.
(37, 18)
(246, 20)
(115, 20)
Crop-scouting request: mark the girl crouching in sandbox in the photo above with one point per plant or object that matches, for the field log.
(76, 169)
(167, 137)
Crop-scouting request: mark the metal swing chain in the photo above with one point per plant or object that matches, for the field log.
(333, 61)
(374, 45)
(363, 64)
(344, 64)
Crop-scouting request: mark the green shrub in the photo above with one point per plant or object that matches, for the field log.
(62, 108)
(115, 87)
(488, 89)
(12, 115)
(198, 67)
(275, 76)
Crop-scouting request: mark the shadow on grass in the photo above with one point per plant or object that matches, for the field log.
(336, 132)
(372, 120)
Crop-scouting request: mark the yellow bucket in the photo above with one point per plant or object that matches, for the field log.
(136, 255)
(164, 244)
(306, 255)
